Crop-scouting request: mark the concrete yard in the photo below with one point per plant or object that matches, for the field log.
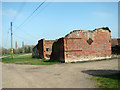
(71, 75)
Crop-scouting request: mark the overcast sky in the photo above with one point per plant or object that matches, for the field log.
(54, 20)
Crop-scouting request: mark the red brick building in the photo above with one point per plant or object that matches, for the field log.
(43, 49)
(82, 45)
(115, 41)
(115, 45)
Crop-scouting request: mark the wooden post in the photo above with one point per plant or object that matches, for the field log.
(11, 42)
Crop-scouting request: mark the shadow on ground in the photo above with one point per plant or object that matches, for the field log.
(104, 73)
(54, 61)
(101, 72)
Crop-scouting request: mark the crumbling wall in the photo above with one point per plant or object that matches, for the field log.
(115, 46)
(79, 45)
(58, 50)
(115, 41)
(83, 45)
(48, 47)
(42, 49)
(35, 52)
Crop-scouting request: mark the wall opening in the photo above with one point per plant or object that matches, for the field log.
(89, 41)
(48, 49)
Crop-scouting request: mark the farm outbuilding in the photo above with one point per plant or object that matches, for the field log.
(43, 49)
(78, 45)
(115, 45)
(82, 45)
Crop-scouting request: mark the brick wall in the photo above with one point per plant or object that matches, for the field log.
(115, 46)
(48, 47)
(58, 50)
(42, 49)
(35, 52)
(115, 41)
(82, 45)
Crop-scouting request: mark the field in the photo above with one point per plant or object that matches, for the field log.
(26, 59)
(108, 81)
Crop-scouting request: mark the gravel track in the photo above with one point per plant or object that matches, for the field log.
(72, 75)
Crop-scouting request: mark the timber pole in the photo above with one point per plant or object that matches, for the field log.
(11, 42)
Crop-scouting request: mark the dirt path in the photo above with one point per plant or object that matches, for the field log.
(2, 57)
(29, 54)
(72, 75)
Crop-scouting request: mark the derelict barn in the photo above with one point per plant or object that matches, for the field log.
(115, 46)
(43, 49)
(80, 45)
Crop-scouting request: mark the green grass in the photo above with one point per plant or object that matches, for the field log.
(109, 81)
(15, 54)
(27, 59)
(6, 55)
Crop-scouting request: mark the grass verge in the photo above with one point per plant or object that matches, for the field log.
(108, 81)
(27, 59)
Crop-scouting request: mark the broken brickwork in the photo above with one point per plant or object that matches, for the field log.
(35, 52)
(115, 46)
(115, 41)
(43, 49)
(58, 50)
(48, 47)
(82, 45)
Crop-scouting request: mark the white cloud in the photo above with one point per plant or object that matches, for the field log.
(11, 13)
(102, 14)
